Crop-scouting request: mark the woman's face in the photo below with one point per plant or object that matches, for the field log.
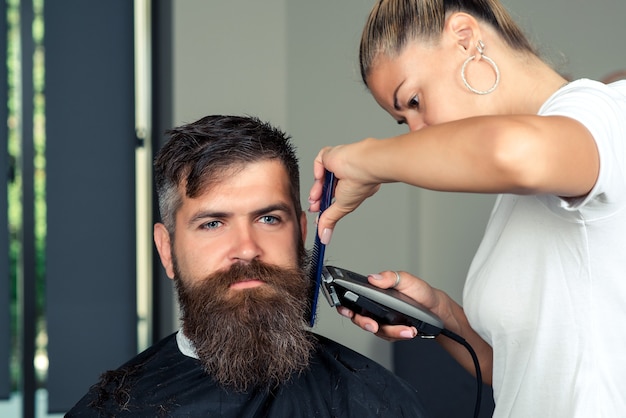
(422, 85)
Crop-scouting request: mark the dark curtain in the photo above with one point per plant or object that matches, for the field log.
(90, 272)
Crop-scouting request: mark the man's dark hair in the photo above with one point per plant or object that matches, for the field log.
(204, 152)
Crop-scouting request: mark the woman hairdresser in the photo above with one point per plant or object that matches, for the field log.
(544, 302)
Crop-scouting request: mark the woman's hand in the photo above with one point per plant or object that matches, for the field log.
(352, 184)
(411, 286)
(440, 304)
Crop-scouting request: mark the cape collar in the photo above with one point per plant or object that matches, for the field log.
(185, 345)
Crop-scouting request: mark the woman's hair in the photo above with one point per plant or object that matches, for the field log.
(392, 24)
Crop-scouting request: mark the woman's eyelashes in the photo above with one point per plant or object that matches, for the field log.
(414, 103)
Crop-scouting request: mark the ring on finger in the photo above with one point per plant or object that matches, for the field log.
(397, 279)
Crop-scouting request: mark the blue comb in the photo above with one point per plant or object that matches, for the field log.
(317, 257)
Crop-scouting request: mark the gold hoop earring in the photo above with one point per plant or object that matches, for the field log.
(480, 47)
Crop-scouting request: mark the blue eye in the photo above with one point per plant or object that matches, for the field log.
(269, 219)
(211, 225)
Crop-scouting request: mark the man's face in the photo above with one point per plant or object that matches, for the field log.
(248, 216)
(238, 266)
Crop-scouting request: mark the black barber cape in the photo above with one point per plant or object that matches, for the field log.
(163, 382)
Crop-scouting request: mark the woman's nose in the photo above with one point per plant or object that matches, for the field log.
(415, 120)
(416, 124)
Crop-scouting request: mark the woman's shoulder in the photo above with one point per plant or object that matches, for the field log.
(586, 100)
(616, 89)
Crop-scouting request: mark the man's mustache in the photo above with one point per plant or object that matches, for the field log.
(254, 270)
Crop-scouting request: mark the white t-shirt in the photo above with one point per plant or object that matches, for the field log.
(547, 287)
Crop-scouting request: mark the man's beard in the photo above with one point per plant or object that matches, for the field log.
(253, 337)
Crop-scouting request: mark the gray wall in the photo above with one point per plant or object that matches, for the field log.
(580, 38)
(294, 63)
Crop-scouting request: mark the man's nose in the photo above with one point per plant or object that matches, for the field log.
(245, 245)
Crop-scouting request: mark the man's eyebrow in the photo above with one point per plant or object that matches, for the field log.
(217, 214)
(281, 207)
(199, 216)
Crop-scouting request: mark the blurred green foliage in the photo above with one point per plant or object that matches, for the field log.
(15, 138)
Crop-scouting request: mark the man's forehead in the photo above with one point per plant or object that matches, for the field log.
(263, 184)
(213, 177)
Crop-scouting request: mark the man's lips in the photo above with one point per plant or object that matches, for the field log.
(247, 284)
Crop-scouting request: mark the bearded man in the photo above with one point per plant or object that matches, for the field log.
(232, 239)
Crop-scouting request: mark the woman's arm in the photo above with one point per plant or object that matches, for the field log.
(487, 154)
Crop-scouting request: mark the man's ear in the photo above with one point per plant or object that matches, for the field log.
(303, 225)
(164, 247)
(464, 30)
